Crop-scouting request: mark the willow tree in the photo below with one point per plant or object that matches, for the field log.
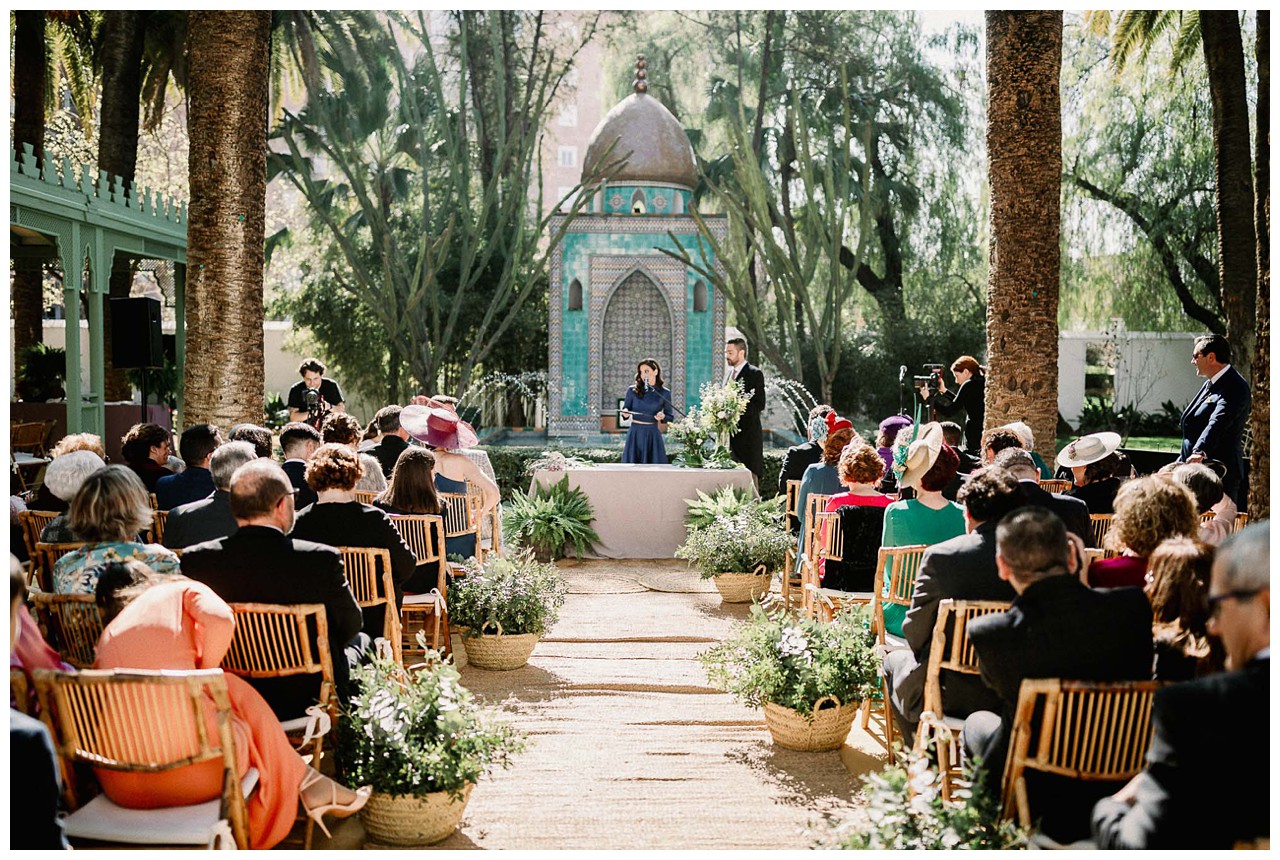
(1024, 152)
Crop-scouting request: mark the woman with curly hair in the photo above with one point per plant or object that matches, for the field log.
(1149, 511)
(822, 477)
(344, 429)
(1177, 584)
(860, 471)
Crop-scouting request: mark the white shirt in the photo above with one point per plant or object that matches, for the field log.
(1218, 375)
(734, 370)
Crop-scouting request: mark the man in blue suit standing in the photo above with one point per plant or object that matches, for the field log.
(1213, 423)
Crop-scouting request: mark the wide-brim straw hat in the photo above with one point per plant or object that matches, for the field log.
(1089, 449)
(68, 472)
(922, 454)
(439, 428)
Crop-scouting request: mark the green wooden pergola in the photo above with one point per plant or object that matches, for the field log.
(64, 212)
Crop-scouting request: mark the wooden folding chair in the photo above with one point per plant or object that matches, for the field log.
(158, 520)
(1242, 520)
(427, 612)
(49, 554)
(366, 497)
(897, 566)
(1101, 525)
(33, 524)
(72, 624)
(808, 566)
(1086, 730)
(155, 503)
(369, 575)
(462, 518)
(953, 653)
(275, 641)
(19, 693)
(1053, 485)
(139, 721)
(28, 437)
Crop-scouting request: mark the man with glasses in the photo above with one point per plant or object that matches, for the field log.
(1213, 423)
(1206, 783)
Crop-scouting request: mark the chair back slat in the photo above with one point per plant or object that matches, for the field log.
(793, 498)
(809, 540)
(899, 565)
(951, 649)
(275, 641)
(1101, 524)
(458, 521)
(72, 624)
(1053, 485)
(33, 523)
(1242, 520)
(158, 520)
(417, 531)
(28, 437)
(369, 576)
(830, 535)
(49, 554)
(366, 497)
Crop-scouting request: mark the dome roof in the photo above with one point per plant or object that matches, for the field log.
(648, 136)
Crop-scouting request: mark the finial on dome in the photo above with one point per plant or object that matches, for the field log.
(640, 85)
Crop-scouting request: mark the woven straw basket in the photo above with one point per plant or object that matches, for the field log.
(827, 730)
(499, 651)
(403, 820)
(742, 587)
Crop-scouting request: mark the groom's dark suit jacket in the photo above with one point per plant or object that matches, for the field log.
(1213, 422)
(747, 445)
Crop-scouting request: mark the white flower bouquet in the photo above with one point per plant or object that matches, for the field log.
(693, 435)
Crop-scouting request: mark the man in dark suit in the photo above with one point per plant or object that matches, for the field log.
(394, 438)
(800, 457)
(193, 483)
(963, 568)
(298, 441)
(1201, 787)
(1213, 423)
(209, 518)
(260, 563)
(1073, 512)
(1057, 627)
(747, 445)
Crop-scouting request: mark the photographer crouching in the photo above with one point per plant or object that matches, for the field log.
(315, 396)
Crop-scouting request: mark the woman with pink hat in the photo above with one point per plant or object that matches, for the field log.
(445, 433)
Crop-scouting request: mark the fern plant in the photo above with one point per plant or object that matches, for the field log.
(730, 501)
(551, 517)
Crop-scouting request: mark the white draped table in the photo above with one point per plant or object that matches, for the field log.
(640, 509)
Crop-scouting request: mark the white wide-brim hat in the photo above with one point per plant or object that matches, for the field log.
(65, 475)
(1089, 449)
(922, 454)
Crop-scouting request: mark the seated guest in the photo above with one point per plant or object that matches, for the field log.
(860, 472)
(344, 429)
(800, 457)
(928, 466)
(953, 435)
(28, 650)
(35, 781)
(207, 519)
(63, 478)
(393, 440)
(1056, 628)
(1092, 460)
(339, 520)
(1073, 512)
(998, 439)
(1149, 511)
(1023, 429)
(1206, 486)
(1178, 588)
(258, 437)
(1203, 786)
(298, 441)
(176, 623)
(823, 477)
(887, 434)
(261, 563)
(44, 499)
(146, 449)
(197, 444)
(963, 568)
(413, 491)
(108, 511)
(372, 436)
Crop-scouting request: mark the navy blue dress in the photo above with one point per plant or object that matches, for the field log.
(644, 440)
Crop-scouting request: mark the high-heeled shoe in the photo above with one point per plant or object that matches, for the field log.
(338, 810)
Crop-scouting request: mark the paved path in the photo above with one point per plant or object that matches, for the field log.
(629, 747)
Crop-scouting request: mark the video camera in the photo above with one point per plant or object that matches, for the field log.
(317, 409)
(931, 377)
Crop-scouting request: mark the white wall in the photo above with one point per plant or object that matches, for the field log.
(1151, 367)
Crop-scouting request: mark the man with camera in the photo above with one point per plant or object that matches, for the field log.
(315, 396)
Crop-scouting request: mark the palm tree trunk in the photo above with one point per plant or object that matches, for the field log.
(29, 63)
(1260, 458)
(228, 89)
(1233, 186)
(1024, 152)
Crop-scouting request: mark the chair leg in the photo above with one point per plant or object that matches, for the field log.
(888, 720)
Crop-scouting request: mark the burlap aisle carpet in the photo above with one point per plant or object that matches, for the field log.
(629, 747)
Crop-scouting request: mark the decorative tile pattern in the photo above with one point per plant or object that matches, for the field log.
(637, 325)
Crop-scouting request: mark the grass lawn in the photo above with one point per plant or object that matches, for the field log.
(1171, 444)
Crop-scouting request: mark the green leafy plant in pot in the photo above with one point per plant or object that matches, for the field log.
(730, 501)
(738, 552)
(809, 677)
(550, 518)
(503, 608)
(422, 742)
(42, 371)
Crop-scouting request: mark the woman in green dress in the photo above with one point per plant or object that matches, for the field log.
(928, 465)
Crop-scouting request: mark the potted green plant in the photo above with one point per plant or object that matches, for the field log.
(42, 369)
(730, 501)
(809, 677)
(421, 741)
(503, 607)
(549, 518)
(738, 552)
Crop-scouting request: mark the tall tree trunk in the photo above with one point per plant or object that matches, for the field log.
(29, 64)
(122, 41)
(1024, 152)
(228, 92)
(1260, 459)
(1233, 186)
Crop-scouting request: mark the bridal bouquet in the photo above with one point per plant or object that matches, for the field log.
(692, 433)
(722, 406)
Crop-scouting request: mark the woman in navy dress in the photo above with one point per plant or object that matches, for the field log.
(647, 403)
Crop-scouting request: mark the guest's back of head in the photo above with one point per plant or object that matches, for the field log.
(197, 442)
(952, 433)
(989, 494)
(256, 489)
(111, 505)
(136, 445)
(79, 442)
(834, 446)
(412, 487)
(1150, 510)
(333, 467)
(341, 428)
(388, 418)
(1178, 582)
(1203, 483)
(296, 437)
(257, 436)
(1031, 544)
(998, 439)
(227, 459)
(1017, 462)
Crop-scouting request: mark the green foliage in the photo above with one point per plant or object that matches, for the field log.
(420, 732)
(794, 662)
(905, 812)
(729, 502)
(518, 593)
(43, 369)
(739, 543)
(1097, 415)
(549, 518)
(275, 412)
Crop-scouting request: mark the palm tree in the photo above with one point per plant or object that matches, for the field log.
(1024, 152)
(1260, 421)
(30, 59)
(228, 57)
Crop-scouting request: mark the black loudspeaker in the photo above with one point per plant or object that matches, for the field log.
(135, 333)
